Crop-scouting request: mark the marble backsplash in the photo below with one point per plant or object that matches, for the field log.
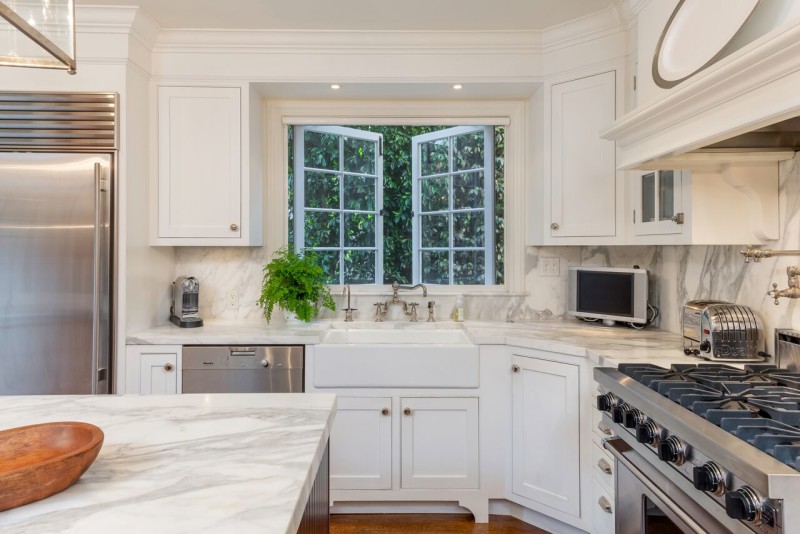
(678, 274)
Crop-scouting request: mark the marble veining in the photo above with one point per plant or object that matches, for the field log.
(182, 463)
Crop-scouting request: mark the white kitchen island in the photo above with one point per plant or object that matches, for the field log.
(237, 463)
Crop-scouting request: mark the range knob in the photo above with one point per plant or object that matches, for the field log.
(648, 432)
(705, 346)
(619, 411)
(605, 402)
(634, 417)
(672, 450)
(744, 504)
(709, 477)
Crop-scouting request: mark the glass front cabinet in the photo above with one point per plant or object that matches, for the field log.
(657, 200)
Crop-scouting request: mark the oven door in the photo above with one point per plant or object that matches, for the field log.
(649, 502)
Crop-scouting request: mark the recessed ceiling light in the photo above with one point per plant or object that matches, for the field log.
(335, 86)
(458, 86)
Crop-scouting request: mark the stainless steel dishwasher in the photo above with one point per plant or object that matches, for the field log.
(242, 369)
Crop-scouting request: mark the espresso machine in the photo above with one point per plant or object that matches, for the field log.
(185, 302)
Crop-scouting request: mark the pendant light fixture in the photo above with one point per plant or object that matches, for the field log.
(38, 33)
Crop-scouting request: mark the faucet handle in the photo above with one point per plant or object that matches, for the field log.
(431, 318)
(379, 312)
(774, 293)
(413, 311)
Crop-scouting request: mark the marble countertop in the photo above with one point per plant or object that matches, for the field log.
(177, 464)
(604, 345)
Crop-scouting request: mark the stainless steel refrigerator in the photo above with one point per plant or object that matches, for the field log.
(55, 270)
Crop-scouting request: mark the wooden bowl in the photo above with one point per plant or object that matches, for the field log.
(41, 460)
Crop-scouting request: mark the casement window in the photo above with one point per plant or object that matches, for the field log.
(439, 224)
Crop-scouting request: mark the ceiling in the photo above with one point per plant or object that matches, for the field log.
(362, 15)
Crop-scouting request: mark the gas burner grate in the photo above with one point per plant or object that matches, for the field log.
(777, 439)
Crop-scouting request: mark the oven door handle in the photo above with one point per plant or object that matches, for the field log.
(613, 446)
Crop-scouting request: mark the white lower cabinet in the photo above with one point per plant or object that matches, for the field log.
(361, 444)
(546, 433)
(152, 369)
(439, 443)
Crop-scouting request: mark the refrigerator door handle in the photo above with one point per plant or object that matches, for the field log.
(101, 262)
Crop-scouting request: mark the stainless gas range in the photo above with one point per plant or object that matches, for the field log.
(704, 448)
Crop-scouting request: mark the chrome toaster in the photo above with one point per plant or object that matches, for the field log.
(722, 331)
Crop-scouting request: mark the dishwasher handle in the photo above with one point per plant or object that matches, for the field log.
(243, 351)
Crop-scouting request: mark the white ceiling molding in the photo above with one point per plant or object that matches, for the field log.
(750, 89)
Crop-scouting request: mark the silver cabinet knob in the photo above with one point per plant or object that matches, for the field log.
(168, 367)
(604, 466)
(602, 427)
(605, 505)
(385, 411)
(407, 411)
(264, 363)
(234, 227)
(515, 368)
(554, 226)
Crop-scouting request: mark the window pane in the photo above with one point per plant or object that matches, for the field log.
(322, 190)
(359, 229)
(434, 266)
(468, 229)
(359, 155)
(649, 197)
(469, 267)
(433, 157)
(666, 195)
(434, 193)
(359, 267)
(329, 261)
(468, 190)
(359, 193)
(321, 150)
(435, 230)
(322, 229)
(468, 151)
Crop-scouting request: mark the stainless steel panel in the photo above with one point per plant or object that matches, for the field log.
(242, 369)
(54, 304)
(787, 349)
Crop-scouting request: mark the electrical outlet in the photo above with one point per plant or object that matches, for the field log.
(232, 300)
(549, 267)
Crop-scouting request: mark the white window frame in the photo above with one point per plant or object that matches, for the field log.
(299, 194)
(488, 247)
(513, 115)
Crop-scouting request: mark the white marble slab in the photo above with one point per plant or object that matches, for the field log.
(240, 464)
(229, 333)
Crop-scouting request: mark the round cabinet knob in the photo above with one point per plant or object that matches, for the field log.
(168, 367)
(515, 368)
(709, 477)
(264, 363)
(672, 450)
(406, 411)
(385, 411)
(619, 411)
(554, 226)
(606, 402)
(234, 227)
(743, 504)
(648, 433)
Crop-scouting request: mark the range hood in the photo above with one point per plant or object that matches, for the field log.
(742, 111)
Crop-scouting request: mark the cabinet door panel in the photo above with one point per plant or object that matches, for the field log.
(545, 437)
(199, 162)
(439, 443)
(658, 196)
(361, 444)
(583, 173)
(159, 373)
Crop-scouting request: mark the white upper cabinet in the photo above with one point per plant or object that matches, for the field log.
(204, 187)
(581, 192)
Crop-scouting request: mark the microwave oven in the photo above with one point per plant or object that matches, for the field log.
(608, 294)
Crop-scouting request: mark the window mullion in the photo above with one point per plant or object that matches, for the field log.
(451, 217)
(341, 210)
(299, 188)
(488, 206)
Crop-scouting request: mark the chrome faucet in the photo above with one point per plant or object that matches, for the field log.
(409, 308)
(348, 311)
(793, 291)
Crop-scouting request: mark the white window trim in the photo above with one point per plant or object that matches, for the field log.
(299, 188)
(511, 114)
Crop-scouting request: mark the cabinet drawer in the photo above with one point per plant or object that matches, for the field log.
(603, 511)
(603, 467)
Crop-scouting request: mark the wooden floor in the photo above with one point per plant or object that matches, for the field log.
(428, 523)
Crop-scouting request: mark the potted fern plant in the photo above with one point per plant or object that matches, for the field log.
(294, 282)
